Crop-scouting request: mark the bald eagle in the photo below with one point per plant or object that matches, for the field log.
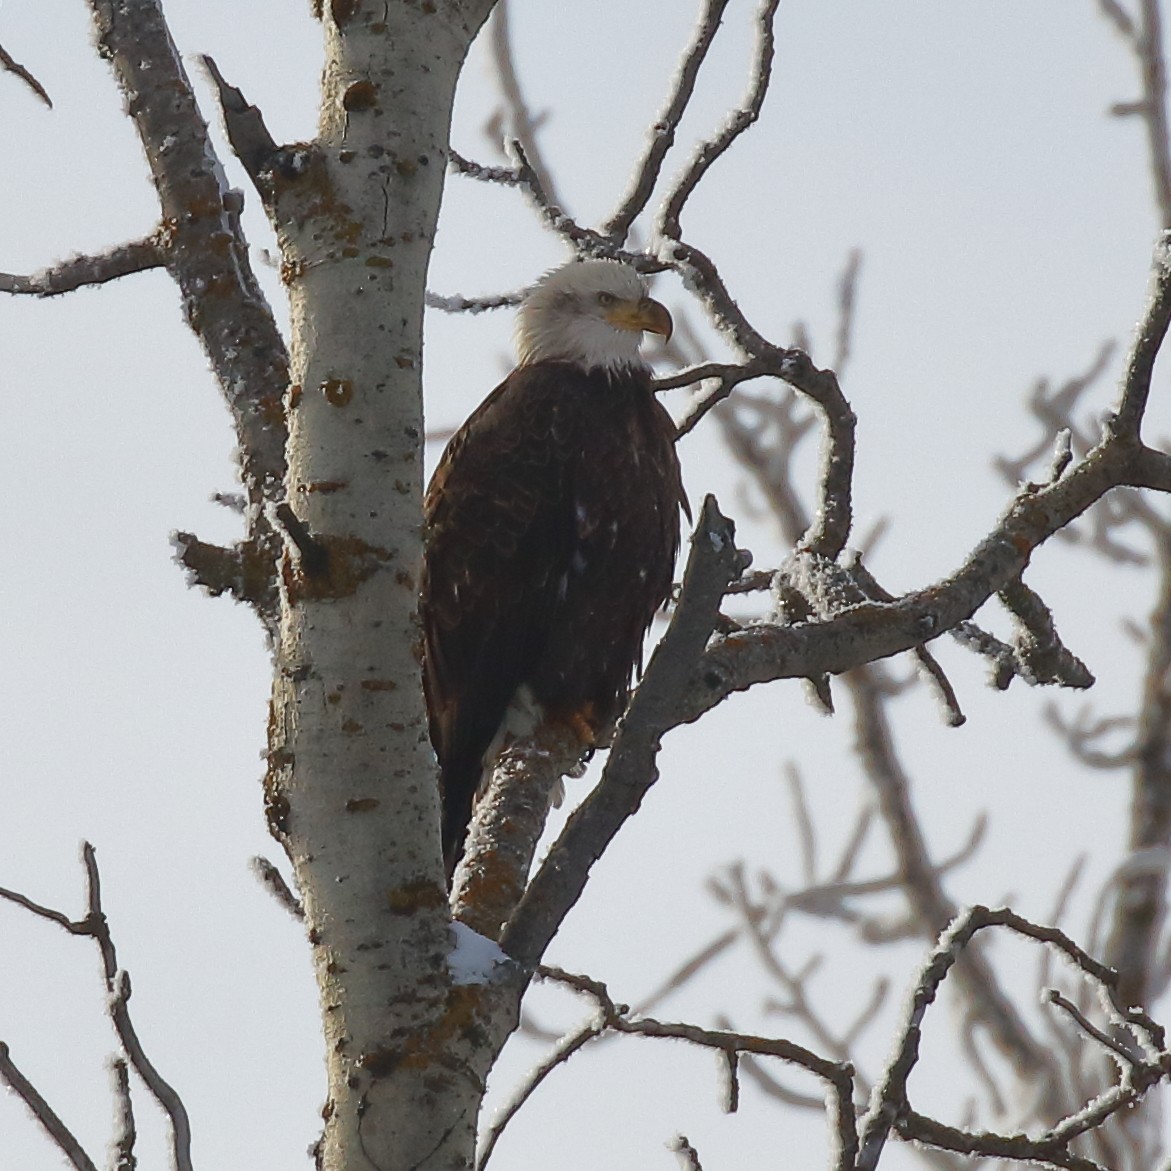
(551, 530)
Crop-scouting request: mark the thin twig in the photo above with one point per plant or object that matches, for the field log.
(739, 121)
(274, 882)
(565, 1049)
(662, 132)
(10, 65)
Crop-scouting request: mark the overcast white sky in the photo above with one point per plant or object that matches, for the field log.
(1006, 223)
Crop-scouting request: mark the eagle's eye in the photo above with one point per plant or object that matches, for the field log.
(606, 300)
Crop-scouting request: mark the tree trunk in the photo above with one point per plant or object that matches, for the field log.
(351, 787)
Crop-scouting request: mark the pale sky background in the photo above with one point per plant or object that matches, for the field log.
(1006, 222)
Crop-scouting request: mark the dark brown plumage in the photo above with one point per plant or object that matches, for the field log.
(552, 526)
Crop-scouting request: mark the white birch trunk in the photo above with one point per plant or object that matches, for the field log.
(351, 786)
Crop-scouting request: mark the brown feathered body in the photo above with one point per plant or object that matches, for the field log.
(552, 527)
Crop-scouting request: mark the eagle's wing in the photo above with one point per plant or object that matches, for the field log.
(498, 529)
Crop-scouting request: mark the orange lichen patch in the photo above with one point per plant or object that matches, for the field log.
(346, 563)
(491, 889)
(362, 95)
(337, 391)
(415, 896)
(406, 167)
(271, 408)
(420, 1050)
(351, 726)
(362, 804)
(276, 804)
(404, 362)
(294, 396)
(379, 262)
(292, 271)
(245, 571)
(378, 685)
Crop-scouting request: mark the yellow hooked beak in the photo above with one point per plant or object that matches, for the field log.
(644, 315)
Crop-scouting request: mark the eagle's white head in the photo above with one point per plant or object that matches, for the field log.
(590, 312)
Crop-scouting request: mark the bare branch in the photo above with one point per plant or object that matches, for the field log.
(662, 132)
(1118, 17)
(1083, 732)
(274, 882)
(58, 917)
(161, 1090)
(869, 631)
(915, 1127)
(122, 1156)
(923, 886)
(473, 305)
(804, 823)
(774, 1088)
(890, 1107)
(584, 240)
(247, 133)
(207, 253)
(10, 65)
(630, 771)
(1149, 48)
(688, 1155)
(61, 1135)
(847, 294)
(1140, 905)
(838, 1075)
(1038, 647)
(523, 126)
(244, 570)
(1140, 361)
(690, 968)
(1054, 997)
(506, 176)
(79, 271)
(740, 120)
(1002, 661)
(565, 1049)
(728, 378)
